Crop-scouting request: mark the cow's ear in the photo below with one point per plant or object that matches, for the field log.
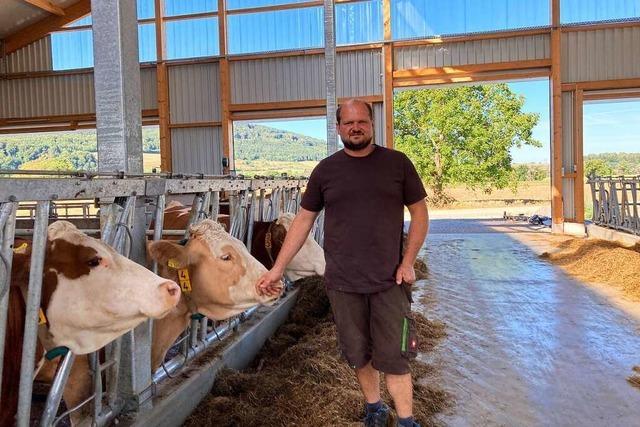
(166, 252)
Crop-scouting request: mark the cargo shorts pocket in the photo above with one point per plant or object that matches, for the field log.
(409, 340)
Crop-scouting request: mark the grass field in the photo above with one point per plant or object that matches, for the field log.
(150, 161)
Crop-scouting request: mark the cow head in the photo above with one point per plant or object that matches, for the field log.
(222, 274)
(91, 294)
(309, 260)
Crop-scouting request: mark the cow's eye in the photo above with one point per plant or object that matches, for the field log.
(226, 257)
(94, 262)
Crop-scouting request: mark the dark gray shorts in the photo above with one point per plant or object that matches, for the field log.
(370, 328)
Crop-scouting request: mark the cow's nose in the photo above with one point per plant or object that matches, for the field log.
(171, 288)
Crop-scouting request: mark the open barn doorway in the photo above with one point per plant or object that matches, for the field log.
(611, 141)
(275, 147)
(482, 150)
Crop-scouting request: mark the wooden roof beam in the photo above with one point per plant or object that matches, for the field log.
(47, 6)
(45, 26)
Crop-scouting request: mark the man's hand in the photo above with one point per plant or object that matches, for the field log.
(270, 283)
(405, 273)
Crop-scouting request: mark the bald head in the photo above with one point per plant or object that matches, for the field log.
(355, 125)
(351, 104)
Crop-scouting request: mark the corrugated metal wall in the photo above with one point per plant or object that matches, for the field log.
(292, 78)
(196, 150)
(359, 73)
(149, 87)
(473, 52)
(378, 123)
(299, 78)
(62, 95)
(568, 207)
(194, 93)
(47, 96)
(33, 57)
(606, 54)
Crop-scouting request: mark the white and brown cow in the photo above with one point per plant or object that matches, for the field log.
(90, 296)
(221, 274)
(267, 241)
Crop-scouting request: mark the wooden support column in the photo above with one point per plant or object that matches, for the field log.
(225, 89)
(387, 54)
(578, 100)
(164, 115)
(557, 212)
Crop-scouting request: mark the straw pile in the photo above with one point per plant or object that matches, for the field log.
(600, 261)
(634, 380)
(299, 378)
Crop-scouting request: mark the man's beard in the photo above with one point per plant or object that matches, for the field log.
(357, 147)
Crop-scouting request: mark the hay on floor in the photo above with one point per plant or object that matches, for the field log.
(300, 378)
(600, 261)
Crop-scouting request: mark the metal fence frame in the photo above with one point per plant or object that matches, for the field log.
(250, 200)
(616, 202)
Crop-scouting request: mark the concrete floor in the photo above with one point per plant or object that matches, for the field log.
(526, 344)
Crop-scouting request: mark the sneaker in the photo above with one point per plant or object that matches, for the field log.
(380, 418)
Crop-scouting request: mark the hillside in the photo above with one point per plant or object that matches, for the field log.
(78, 150)
(256, 142)
(60, 150)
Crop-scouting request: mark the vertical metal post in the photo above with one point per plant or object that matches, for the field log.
(250, 219)
(159, 223)
(33, 305)
(57, 387)
(261, 206)
(330, 75)
(8, 227)
(196, 206)
(117, 85)
(215, 205)
(94, 364)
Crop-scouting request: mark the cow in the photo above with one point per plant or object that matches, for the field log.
(267, 241)
(90, 296)
(176, 217)
(217, 275)
(221, 277)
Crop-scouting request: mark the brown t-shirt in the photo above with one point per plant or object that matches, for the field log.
(364, 199)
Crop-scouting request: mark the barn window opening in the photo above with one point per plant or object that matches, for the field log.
(275, 147)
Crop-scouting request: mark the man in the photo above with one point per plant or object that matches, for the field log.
(364, 189)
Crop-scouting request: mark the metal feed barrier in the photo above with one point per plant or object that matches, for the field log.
(120, 200)
(615, 202)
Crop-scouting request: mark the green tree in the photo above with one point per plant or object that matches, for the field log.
(463, 135)
(597, 167)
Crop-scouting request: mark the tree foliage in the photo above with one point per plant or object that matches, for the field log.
(463, 135)
(607, 164)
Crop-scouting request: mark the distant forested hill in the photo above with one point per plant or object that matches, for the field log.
(256, 142)
(62, 150)
(77, 150)
(612, 164)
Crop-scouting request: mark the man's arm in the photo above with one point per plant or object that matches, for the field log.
(417, 232)
(300, 227)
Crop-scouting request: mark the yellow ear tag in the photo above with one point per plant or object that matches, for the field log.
(183, 278)
(173, 263)
(42, 319)
(20, 249)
